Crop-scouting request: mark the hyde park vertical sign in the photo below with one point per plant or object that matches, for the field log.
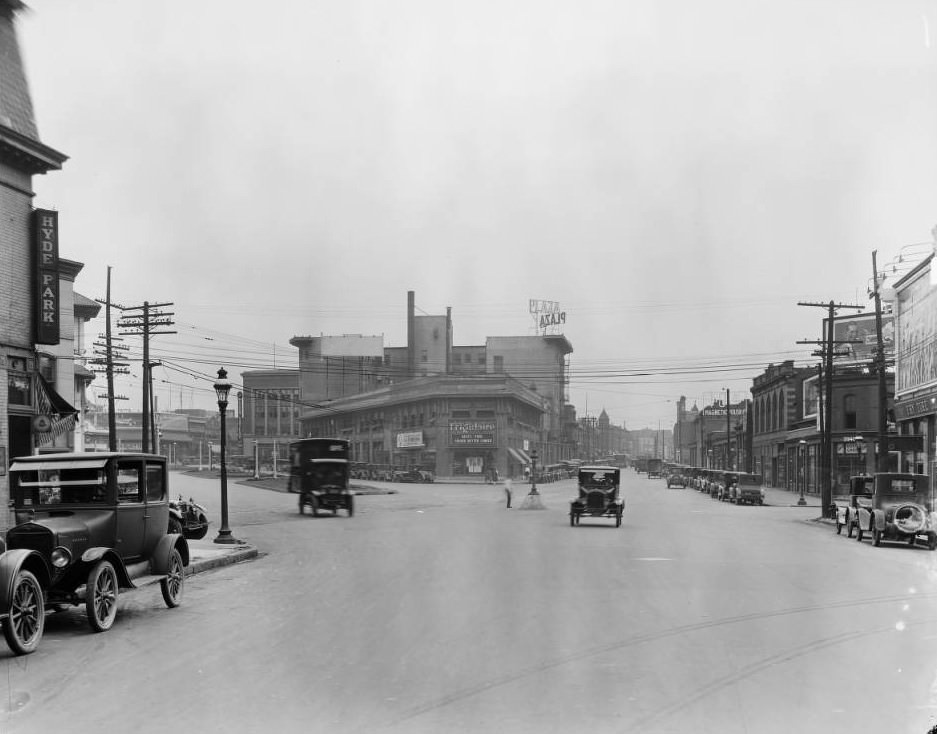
(46, 293)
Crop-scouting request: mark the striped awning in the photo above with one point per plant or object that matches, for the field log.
(517, 457)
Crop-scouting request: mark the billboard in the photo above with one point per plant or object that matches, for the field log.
(859, 331)
(916, 363)
(811, 397)
(351, 345)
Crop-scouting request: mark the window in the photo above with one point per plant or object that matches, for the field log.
(128, 484)
(481, 359)
(849, 411)
(17, 382)
(499, 363)
(155, 486)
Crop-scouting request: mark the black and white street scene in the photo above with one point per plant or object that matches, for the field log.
(431, 367)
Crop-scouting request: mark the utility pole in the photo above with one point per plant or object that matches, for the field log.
(728, 433)
(881, 458)
(110, 367)
(826, 456)
(146, 325)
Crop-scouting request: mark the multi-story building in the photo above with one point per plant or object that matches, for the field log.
(269, 409)
(447, 424)
(29, 291)
(366, 372)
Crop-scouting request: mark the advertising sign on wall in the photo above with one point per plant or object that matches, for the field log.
(811, 396)
(410, 440)
(472, 433)
(915, 356)
(46, 293)
(547, 316)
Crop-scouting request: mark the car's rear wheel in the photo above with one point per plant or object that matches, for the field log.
(351, 507)
(171, 586)
(572, 519)
(932, 542)
(618, 520)
(23, 628)
(839, 527)
(101, 596)
(876, 537)
(859, 533)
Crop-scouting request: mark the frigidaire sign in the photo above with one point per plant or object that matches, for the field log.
(472, 433)
(46, 293)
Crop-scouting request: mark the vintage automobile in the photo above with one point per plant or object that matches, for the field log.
(899, 510)
(319, 473)
(413, 475)
(846, 507)
(598, 494)
(745, 488)
(677, 477)
(654, 468)
(87, 526)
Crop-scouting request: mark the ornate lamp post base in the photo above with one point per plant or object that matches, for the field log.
(533, 501)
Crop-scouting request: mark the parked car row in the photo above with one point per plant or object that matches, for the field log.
(740, 488)
(889, 507)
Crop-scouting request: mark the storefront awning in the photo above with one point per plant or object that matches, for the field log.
(517, 456)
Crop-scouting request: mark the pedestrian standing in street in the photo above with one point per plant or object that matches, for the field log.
(507, 492)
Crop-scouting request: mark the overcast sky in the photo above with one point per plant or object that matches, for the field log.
(677, 174)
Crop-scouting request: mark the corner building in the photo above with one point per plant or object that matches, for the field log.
(22, 156)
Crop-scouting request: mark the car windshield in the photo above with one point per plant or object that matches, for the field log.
(597, 479)
(60, 487)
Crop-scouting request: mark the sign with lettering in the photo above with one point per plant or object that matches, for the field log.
(547, 315)
(46, 293)
(915, 356)
(410, 440)
(472, 433)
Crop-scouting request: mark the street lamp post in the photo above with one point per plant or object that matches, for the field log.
(533, 500)
(802, 446)
(222, 388)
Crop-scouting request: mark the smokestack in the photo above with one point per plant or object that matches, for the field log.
(411, 336)
(448, 339)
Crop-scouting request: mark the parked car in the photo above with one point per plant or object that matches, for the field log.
(899, 510)
(598, 494)
(846, 507)
(87, 526)
(654, 468)
(412, 475)
(745, 488)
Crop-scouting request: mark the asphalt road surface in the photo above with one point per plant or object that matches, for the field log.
(438, 610)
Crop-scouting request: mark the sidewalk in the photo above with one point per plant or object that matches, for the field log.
(777, 497)
(205, 555)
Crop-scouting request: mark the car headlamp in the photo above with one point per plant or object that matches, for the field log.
(61, 557)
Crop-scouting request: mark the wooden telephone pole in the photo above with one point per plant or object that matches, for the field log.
(826, 454)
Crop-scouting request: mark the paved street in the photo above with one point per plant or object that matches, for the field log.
(437, 610)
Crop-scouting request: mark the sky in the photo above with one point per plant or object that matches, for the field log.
(677, 175)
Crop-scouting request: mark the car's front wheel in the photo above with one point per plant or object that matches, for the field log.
(23, 628)
(171, 586)
(101, 596)
(876, 537)
(351, 507)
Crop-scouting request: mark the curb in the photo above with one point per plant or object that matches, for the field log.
(200, 564)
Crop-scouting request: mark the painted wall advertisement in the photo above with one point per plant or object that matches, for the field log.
(915, 356)
(472, 433)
